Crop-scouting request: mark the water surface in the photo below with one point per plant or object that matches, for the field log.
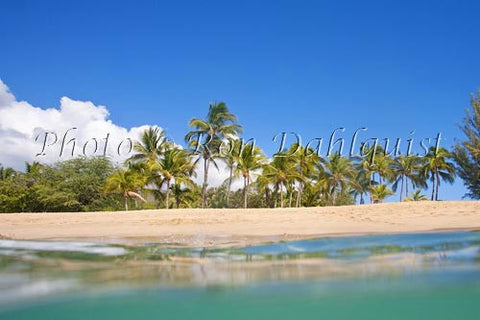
(414, 276)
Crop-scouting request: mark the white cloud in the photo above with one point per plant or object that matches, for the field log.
(25, 130)
(6, 97)
(217, 177)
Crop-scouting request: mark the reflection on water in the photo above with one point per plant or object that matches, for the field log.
(30, 271)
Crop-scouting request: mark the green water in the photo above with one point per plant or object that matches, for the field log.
(409, 276)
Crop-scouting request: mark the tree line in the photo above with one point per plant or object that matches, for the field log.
(161, 174)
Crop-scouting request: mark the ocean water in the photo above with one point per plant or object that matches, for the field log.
(405, 276)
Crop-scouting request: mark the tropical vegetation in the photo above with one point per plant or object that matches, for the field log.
(467, 153)
(162, 174)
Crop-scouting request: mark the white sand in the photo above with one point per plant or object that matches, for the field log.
(223, 227)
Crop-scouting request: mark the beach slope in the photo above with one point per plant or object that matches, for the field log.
(227, 227)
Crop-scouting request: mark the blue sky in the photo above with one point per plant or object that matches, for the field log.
(303, 66)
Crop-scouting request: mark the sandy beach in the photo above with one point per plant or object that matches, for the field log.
(229, 227)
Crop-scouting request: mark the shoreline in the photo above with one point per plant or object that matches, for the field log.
(241, 227)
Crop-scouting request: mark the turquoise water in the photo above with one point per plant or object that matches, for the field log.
(407, 276)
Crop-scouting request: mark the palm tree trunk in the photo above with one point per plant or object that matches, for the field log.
(401, 190)
(267, 197)
(229, 187)
(438, 185)
(126, 203)
(245, 191)
(248, 187)
(370, 188)
(206, 164)
(406, 187)
(281, 196)
(299, 195)
(433, 186)
(290, 198)
(135, 195)
(167, 196)
(333, 192)
(275, 197)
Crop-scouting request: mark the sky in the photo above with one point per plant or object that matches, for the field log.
(402, 69)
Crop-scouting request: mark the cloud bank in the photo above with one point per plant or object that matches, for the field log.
(29, 133)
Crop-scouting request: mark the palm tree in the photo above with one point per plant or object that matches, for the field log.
(6, 173)
(361, 184)
(251, 158)
(382, 165)
(230, 157)
(181, 195)
(416, 196)
(207, 137)
(148, 151)
(125, 182)
(437, 167)
(152, 143)
(366, 168)
(380, 192)
(263, 183)
(307, 163)
(339, 174)
(34, 167)
(405, 168)
(311, 194)
(281, 171)
(174, 164)
(467, 152)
